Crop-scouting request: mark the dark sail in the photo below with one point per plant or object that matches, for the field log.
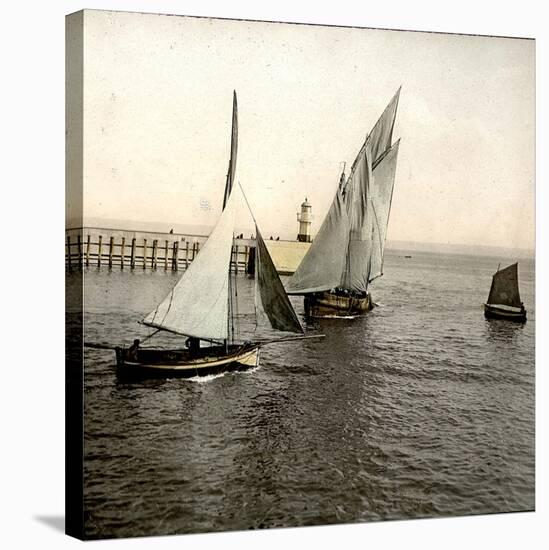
(271, 298)
(234, 147)
(504, 289)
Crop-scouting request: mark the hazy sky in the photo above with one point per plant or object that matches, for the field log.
(157, 123)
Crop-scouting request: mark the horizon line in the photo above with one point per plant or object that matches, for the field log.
(532, 251)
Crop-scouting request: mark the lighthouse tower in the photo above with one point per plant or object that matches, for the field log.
(305, 218)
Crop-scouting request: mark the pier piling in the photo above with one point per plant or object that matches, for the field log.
(85, 248)
(99, 251)
(132, 259)
(69, 252)
(79, 243)
(174, 257)
(144, 253)
(122, 246)
(154, 252)
(111, 248)
(88, 241)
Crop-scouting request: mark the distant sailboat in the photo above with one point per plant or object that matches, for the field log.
(504, 298)
(347, 253)
(202, 305)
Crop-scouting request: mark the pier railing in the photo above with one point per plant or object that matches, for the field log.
(108, 251)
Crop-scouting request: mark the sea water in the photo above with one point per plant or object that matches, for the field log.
(421, 408)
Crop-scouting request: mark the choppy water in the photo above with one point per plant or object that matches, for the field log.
(421, 408)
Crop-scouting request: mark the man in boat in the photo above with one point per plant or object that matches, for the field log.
(193, 345)
(132, 350)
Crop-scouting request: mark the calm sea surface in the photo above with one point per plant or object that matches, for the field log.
(421, 408)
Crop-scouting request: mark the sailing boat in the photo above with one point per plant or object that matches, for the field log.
(201, 307)
(504, 298)
(347, 253)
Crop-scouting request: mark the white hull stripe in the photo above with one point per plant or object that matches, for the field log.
(249, 358)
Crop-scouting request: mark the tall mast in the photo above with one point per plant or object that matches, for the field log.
(228, 189)
(234, 148)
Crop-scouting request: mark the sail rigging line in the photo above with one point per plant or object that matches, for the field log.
(247, 203)
(230, 336)
(255, 222)
(232, 303)
(156, 311)
(289, 339)
(171, 331)
(167, 310)
(150, 335)
(235, 311)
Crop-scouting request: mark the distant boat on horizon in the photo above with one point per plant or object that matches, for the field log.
(504, 298)
(347, 253)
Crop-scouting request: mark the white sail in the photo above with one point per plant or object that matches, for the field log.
(323, 264)
(198, 304)
(379, 138)
(381, 194)
(382, 133)
(368, 194)
(357, 268)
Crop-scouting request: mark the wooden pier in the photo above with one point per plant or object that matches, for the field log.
(104, 248)
(84, 250)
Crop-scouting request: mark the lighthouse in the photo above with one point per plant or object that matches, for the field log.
(305, 218)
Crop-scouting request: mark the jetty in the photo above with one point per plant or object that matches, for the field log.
(110, 248)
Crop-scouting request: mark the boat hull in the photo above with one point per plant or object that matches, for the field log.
(495, 312)
(149, 363)
(328, 304)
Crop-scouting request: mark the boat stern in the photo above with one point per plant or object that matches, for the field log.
(328, 304)
(249, 359)
(120, 356)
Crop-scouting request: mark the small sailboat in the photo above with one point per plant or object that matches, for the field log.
(504, 298)
(202, 306)
(347, 253)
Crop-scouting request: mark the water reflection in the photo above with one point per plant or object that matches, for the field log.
(500, 330)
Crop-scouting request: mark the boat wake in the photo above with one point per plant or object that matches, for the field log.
(209, 377)
(335, 316)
